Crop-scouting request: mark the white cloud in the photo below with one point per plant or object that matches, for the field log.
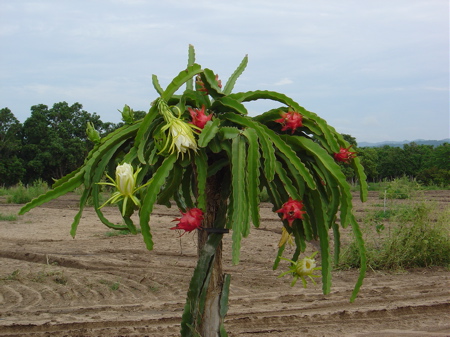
(284, 81)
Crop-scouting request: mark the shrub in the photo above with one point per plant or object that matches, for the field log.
(418, 239)
(21, 194)
(400, 188)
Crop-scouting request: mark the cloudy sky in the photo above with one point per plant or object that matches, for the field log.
(378, 69)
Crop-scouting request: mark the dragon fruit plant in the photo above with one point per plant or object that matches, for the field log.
(201, 149)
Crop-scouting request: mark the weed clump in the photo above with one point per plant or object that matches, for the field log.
(418, 238)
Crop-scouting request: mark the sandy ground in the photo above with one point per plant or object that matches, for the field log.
(100, 285)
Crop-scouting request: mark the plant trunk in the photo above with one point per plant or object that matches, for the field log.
(211, 320)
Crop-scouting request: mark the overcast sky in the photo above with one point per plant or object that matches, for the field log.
(377, 70)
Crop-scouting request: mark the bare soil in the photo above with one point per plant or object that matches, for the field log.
(100, 285)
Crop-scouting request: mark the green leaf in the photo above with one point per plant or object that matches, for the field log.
(186, 187)
(322, 231)
(329, 132)
(76, 220)
(209, 131)
(239, 208)
(152, 191)
(156, 85)
(233, 78)
(227, 104)
(278, 257)
(217, 165)
(283, 147)
(362, 252)
(145, 125)
(201, 165)
(191, 61)
(68, 186)
(253, 167)
(210, 82)
(362, 178)
(174, 181)
(229, 132)
(223, 305)
(287, 182)
(180, 79)
(267, 148)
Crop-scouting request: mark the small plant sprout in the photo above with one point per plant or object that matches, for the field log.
(302, 268)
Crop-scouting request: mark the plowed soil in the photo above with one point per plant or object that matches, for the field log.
(102, 285)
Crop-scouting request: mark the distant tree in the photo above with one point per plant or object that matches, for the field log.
(11, 166)
(55, 141)
(390, 162)
(441, 156)
(351, 140)
(369, 160)
(416, 158)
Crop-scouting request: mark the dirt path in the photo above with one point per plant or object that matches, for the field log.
(99, 285)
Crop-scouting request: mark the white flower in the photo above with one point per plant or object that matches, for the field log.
(125, 184)
(182, 136)
(306, 266)
(125, 180)
(301, 269)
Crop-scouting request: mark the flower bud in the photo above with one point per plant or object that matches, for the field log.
(127, 114)
(92, 133)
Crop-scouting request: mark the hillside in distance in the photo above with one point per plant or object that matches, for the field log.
(400, 144)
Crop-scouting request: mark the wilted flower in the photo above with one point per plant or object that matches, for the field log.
(92, 133)
(302, 268)
(125, 184)
(344, 155)
(292, 209)
(290, 120)
(180, 136)
(286, 237)
(199, 118)
(190, 220)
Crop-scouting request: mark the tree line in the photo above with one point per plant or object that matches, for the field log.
(428, 164)
(52, 142)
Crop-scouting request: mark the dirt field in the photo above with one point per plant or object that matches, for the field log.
(99, 285)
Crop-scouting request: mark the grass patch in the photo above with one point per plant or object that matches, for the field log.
(14, 276)
(111, 285)
(418, 236)
(3, 191)
(119, 232)
(22, 194)
(8, 217)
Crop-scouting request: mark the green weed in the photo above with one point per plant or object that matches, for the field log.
(22, 194)
(400, 188)
(112, 285)
(8, 217)
(419, 236)
(14, 276)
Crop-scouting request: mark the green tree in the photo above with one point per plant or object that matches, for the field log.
(369, 160)
(55, 141)
(11, 166)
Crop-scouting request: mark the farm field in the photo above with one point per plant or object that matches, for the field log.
(110, 285)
